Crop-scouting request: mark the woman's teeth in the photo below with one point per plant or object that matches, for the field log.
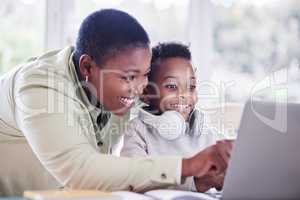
(180, 106)
(127, 101)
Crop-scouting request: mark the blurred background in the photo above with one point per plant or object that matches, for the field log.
(241, 48)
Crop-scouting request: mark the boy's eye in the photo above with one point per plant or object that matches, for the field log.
(171, 86)
(192, 87)
(131, 77)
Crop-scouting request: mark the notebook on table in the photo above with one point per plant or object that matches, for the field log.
(120, 195)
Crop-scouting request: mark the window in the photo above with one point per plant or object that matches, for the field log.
(234, 43)
(21, 31)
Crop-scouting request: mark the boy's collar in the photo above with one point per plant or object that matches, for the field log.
(194, 124)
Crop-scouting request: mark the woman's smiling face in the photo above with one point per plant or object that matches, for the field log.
(175, 86)
(121, 79)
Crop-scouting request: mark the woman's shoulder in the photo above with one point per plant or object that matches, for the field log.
(49, 71)
(51, 66)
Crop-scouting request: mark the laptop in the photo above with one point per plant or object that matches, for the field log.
(265, 162)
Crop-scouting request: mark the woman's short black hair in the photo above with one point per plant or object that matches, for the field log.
(166, 50)
(106, 32)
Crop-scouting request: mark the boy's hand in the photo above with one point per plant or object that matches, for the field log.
(209, 181)
(212, 160)
(207, 161)
(225, 148)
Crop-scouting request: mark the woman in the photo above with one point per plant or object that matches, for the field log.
(70, 106)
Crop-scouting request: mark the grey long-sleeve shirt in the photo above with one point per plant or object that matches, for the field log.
(142, 139)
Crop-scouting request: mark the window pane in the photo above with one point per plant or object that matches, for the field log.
(21, 31)
(252, 40)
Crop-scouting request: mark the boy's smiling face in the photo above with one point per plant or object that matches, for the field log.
(174, 85)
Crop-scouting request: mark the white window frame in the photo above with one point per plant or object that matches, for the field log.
(57, 19)
(200, 36)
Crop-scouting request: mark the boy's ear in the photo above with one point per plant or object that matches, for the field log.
(150, 93)
(145, 96)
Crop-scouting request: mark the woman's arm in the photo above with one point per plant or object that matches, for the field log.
(59, 132)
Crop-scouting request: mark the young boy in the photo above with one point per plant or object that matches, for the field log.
(170, 124)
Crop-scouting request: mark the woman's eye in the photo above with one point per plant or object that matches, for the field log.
(124, 78)
(147, 74)
(128, 78)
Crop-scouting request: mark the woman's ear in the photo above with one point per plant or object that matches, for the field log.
(85, 65)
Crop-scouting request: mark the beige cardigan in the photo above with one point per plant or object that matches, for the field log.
(43, 105)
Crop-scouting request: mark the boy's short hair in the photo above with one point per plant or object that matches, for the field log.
(163, 51)
(106, 32)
